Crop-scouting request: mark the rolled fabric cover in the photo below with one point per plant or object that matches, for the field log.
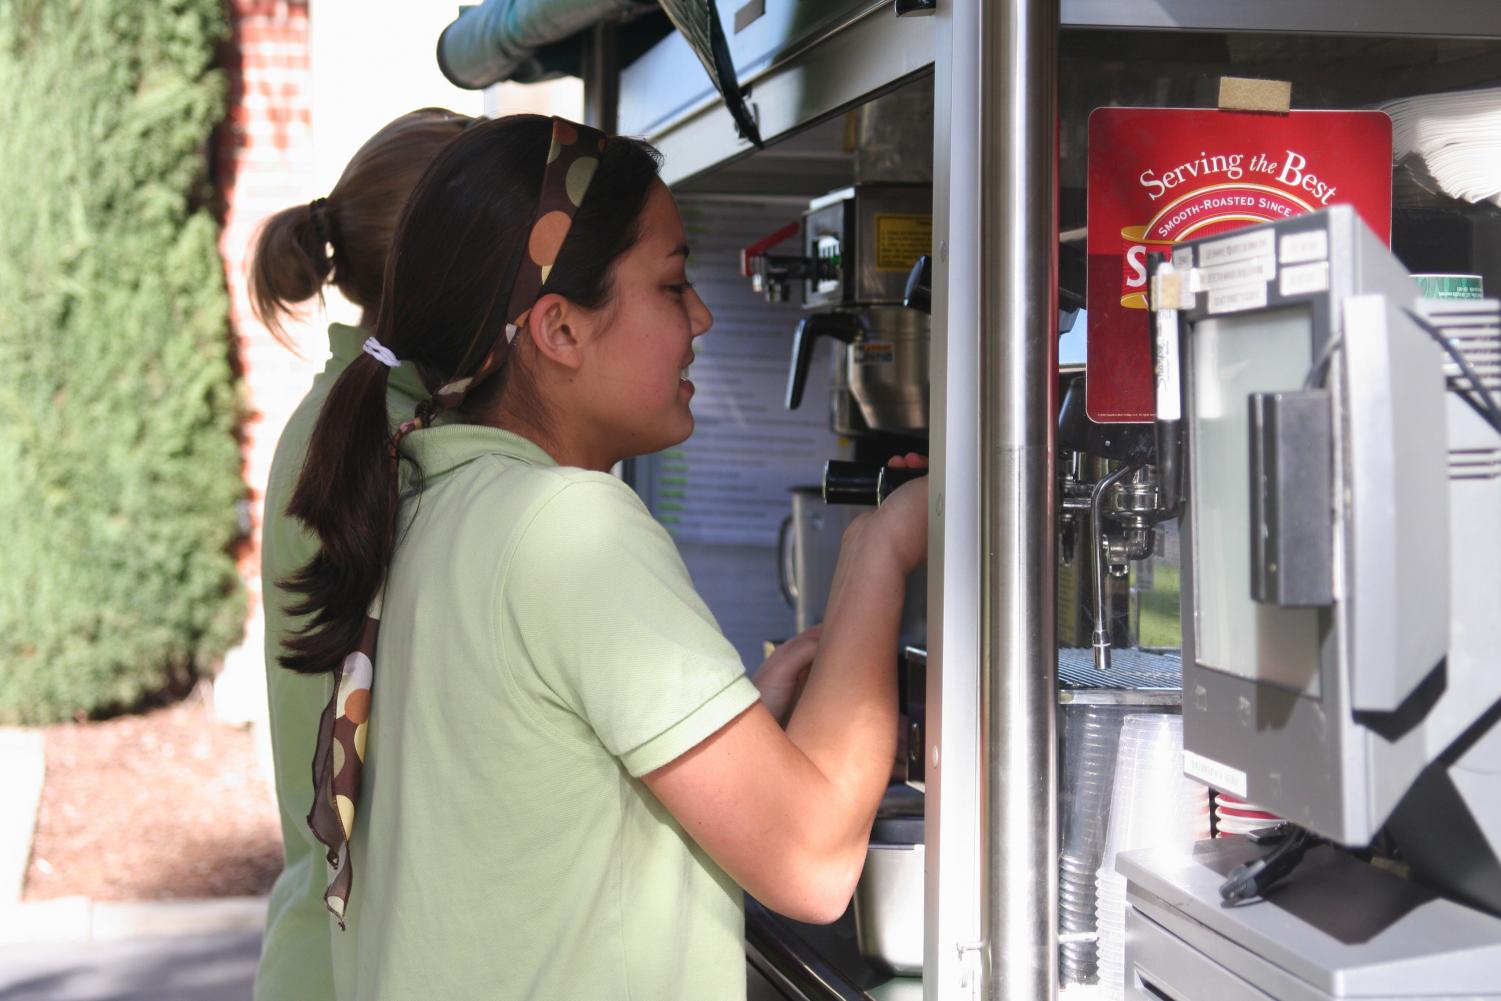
(498, 39)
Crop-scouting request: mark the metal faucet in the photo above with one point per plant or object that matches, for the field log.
(1100, 641)
(1135, 503)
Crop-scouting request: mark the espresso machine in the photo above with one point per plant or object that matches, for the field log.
(860, 277)
(864, 277)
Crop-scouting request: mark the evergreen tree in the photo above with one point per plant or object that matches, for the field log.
(119, 467)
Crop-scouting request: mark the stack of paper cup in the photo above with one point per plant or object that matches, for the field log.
(1090, 737)
(1236, 816)
(1152, 805)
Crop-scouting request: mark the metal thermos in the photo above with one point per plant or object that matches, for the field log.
(808, 551)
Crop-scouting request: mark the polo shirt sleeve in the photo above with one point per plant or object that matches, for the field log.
(600, 606)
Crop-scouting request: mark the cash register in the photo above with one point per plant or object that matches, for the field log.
(1339, 446)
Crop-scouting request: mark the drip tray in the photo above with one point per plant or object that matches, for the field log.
(1136, 677)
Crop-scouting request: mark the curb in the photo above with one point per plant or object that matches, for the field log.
(22, 768)
(78, 919)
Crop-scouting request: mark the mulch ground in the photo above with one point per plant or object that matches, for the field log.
(166, 804)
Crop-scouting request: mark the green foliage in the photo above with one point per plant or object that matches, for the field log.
(119, 469)
(1159, 627)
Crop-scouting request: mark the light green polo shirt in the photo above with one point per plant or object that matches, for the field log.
(296, 964)
(541, 648)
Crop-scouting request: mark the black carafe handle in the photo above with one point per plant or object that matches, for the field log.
(863, 482)
(842, 327)
(918, 294)
(850, 482)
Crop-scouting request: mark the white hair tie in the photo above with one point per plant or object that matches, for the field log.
(375, 349)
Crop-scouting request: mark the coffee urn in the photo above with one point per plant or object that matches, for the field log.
(859, 245)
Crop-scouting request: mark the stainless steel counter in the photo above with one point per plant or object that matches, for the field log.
(805, 962)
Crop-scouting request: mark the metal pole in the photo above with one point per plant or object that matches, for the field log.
(1018, 408)
(602, 78)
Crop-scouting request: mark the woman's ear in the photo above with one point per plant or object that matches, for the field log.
(555, 328)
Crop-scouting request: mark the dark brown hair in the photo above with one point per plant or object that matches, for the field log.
(292, 261)
(455, 255)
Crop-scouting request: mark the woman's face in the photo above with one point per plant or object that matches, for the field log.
(635, 385)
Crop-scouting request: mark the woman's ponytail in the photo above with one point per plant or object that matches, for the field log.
(346, 495)
(345, 238)
(292, 261)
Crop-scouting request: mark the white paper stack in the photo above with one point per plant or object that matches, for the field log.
(1458, 136)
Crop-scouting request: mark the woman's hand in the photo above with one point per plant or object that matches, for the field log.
(781, 676)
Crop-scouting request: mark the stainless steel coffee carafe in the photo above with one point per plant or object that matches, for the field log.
(808, 551)
(859, 246)
(882, 366)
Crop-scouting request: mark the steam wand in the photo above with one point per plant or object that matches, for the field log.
(1101, 637)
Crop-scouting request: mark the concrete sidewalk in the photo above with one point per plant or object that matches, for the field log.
(74, 949)
(162, 968)
(77, 920)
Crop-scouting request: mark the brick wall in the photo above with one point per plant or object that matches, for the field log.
(264, 162)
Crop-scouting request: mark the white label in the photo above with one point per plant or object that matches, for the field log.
(1239, 273)
(1169, 396)
(1236, 298)
(1255, 245)
(1183, 258)
(875, 353)
(1222, 777)
(1295, 248)
(1304, 278)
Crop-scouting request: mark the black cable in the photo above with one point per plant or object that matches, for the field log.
(1490, 411)
(1320, 366)
(1486, 406)
(1254, 878)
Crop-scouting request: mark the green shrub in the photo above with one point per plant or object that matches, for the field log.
(119, 468)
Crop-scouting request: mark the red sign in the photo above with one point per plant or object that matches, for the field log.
(1161, 175)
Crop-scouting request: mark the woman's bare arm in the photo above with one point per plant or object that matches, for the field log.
(787, 812)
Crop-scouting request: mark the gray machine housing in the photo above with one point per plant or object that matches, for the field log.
(1390, 721)
(1396, 668)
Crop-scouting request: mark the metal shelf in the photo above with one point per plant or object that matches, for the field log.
(1436, 18)
(861, 49)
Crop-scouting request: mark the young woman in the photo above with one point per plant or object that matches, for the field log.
(543, 773)
(342, 240)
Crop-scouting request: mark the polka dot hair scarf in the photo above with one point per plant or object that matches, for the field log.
(338, 762)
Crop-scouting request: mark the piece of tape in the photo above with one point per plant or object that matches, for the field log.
(1166, 291)
(1238, 93)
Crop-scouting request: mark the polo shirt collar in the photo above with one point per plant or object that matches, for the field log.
(448, 446)
(345, 344)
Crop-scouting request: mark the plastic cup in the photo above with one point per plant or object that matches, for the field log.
(1152, 805)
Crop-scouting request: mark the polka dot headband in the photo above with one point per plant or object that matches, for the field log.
(339, 756)
(572, 160)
